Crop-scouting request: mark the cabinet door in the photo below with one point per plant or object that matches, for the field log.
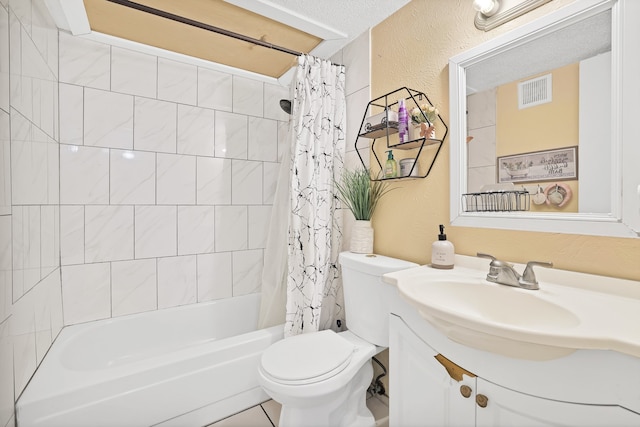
(505, 407)
(421, 391)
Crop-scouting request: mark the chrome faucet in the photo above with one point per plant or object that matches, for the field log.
(503, 273)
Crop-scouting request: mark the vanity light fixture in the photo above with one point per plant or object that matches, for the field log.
(488, 17)
(486, 7)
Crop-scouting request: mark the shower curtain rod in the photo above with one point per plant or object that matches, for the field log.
(202, 25)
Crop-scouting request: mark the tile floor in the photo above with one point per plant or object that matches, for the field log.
(268, 414)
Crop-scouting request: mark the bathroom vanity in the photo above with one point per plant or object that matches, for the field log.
(466, 352)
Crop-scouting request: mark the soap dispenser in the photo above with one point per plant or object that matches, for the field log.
(391, 166)
(442, 251)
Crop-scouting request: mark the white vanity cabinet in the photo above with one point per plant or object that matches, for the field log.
(425, 393)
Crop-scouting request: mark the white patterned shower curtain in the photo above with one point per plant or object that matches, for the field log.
(309, 271)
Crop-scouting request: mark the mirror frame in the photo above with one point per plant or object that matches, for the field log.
(624, 218)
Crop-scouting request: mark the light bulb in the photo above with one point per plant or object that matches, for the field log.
(486, 7)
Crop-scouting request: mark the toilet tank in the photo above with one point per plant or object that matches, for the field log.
(366, 297)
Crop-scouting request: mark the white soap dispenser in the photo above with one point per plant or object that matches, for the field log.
(442, 251)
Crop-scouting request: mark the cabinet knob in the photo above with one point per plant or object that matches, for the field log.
(465, 390)
(482, 400)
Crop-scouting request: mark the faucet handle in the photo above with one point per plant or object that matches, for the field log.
(482, 255)
(528, 276)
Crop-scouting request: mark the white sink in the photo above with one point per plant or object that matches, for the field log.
(571, 311)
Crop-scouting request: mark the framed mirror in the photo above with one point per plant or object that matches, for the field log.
(537, 137)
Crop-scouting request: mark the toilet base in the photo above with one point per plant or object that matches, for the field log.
(346, 408)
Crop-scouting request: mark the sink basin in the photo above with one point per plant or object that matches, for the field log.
(571, 311)
(495, 303)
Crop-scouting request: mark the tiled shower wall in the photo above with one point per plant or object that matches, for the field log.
(30, 297)
(167, 174)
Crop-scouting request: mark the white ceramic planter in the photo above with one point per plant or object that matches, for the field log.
(362, 237)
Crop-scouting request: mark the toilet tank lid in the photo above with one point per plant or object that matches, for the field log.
(374, 264)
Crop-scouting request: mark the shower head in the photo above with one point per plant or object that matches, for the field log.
(285, 104)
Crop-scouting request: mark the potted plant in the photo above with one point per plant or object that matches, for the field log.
(361, 196)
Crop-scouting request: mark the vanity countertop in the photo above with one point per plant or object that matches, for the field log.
(566, 314)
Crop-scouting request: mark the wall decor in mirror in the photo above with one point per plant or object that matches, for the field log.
(548, 110)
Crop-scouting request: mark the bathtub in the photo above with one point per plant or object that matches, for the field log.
(183, 366)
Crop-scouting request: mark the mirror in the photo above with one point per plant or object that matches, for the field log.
(535, 139)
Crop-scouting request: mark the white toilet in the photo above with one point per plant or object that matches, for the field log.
(321, 378)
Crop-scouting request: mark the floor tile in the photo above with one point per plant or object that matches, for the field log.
(272, 408)
(252, 417)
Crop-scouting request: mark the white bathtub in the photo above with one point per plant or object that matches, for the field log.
(183, 366)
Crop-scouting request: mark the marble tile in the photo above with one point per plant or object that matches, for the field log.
(284, 141)
(72, 235)
(272, 96)
(215, 276)
(7, 399)
(49, 230)
(176, 179)
(177, 82)
(53, 173)
(248, 96)
(481, 107)
(108, 233)
(356, 112)
(5, 87)
(18, 249)
(480, 176)
(231, 135)
(84, 175)
(269, 181)
(71, 114)
(132, 178)
(133, 73)
(86, 292)
(195, 229)
(247, 272)
(108, 119)
(6, 285)
(155, 231)
(25, 249)
(357, 57)
(195, 130)
(84, 62)
(133, 287)
(482, 149)
(29, 172)
(177, 281)
(215, 90)
(262, 139)
(246, 182)
(22, 9)
(5, 164)
(24, 358)
(213, 181)
(44, 33)
(155, 125)
(231, 228)
(259, 218)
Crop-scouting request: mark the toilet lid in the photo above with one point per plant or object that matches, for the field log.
(307, 358)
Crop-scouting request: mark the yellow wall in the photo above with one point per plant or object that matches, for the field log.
(411, 48)
(541, 127)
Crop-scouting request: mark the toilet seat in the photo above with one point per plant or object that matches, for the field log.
(307, 358)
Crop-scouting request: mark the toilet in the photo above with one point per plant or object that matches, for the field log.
(321, 378)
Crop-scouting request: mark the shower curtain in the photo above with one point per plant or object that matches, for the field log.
(305, 236)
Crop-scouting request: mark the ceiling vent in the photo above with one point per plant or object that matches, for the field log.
(534, 92)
